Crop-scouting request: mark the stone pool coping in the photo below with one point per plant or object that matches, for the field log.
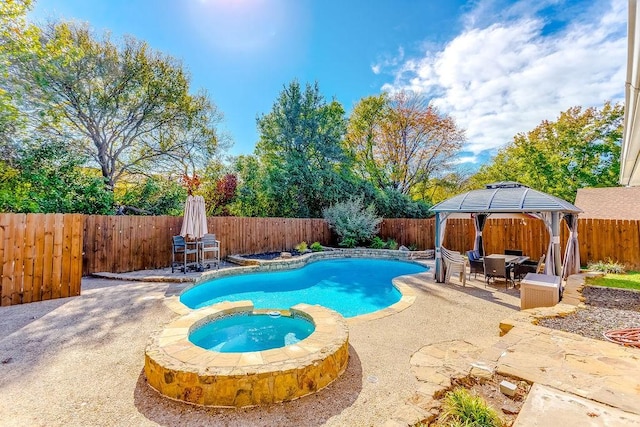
(180, 370)
(248, 266)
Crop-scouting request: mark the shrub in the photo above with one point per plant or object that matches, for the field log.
(607, 266)
(301, 247)
(316, 247)
(377, 243)
(348, 242)
(391, 244)
(352, 222)
(412, 247)
(461, 408)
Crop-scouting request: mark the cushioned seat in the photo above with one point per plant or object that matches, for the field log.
(475, 263)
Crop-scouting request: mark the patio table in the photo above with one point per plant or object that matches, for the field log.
(510, 259)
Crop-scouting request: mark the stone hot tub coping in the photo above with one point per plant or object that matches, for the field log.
(183, 371)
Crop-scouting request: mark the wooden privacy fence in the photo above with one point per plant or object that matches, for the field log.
(41, 256)
(44, 256)
(599, 239)
(126, 243)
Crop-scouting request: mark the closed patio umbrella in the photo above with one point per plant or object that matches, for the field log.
(194, 223)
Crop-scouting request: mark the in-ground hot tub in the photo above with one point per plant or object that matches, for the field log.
(252, 331)
(181, 370)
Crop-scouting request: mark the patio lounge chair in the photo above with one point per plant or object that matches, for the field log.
(209, 251)
(453, 262)
(475, 264)
(497, 268)
(181, 248)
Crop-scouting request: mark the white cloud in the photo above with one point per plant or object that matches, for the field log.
(506, 77)
(388, 61)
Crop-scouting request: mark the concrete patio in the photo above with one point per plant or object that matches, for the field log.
(78, 361)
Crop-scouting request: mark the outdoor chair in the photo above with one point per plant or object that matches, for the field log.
(181, 248)
(209, 251)
(522, 269)
(497, 268)
(475, 264)
(453, 262)
(516, 252)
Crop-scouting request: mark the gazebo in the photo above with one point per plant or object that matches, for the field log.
(514, 198)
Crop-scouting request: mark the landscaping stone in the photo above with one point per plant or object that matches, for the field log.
(508, 389)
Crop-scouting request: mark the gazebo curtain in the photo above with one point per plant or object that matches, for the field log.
(441, 223)
(549, 261)
(479, 220)
(571, 264)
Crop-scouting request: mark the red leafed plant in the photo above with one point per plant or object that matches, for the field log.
(226, 188)
(190, 183)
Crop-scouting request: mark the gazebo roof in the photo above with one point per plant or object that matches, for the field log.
(505, 197)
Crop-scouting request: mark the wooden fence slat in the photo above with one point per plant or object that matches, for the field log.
(8, 230)
(18, 265)
(77, 231)
(58, 246)
(65, 278)
(29, 292)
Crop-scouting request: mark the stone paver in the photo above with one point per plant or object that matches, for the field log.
(597, 370)
(579, 381)
(546, 406)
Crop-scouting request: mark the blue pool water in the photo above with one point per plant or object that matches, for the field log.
(251, 332)
(351, 286)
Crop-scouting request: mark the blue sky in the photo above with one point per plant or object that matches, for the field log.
(498, 67)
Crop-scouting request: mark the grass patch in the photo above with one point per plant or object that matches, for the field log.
(629, 280)
(461, 408)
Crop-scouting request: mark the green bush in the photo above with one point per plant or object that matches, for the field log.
(461, 408)
(352, 222)
(377, 243)
(301, 247)
(391, 244)
(607, 266)
(316, 247)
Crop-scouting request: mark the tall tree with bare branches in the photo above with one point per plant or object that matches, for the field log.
(400, 140)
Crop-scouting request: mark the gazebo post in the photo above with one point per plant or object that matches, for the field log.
(438, 254)
(555, 231)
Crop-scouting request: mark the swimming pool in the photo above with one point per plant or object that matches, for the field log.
(351, 286)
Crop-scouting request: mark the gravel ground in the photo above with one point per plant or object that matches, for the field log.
(79, 361)
(606, 309)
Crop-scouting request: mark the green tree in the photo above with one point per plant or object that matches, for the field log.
(301, 153)
(14, 32)
(48, 178)
(252, 194)
(154, 195)
(580, 149)
(126, 107)
(400, 140)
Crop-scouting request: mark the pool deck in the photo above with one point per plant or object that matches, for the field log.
(79, 361)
